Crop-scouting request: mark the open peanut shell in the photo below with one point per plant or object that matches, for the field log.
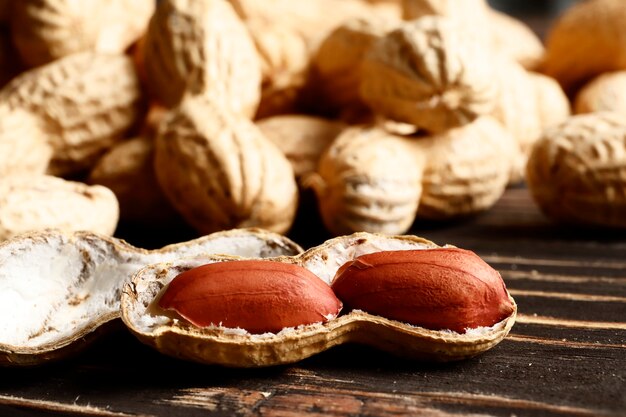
(58, 289)
(172, 335)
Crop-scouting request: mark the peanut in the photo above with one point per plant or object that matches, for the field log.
(604, 93)
(430, 73)
(504, 34)
(220, 172)
(82, 104)
(337, 63)
(471, 14)
(23, 146)
(287, 34)
(526, 104)
(60, 288)
(517, 110)
(301, 138)
(552, 103)
(437, 289)
(46, 30)
(202, 47)
(466, 169)
(462, 333)
(257, 296)
(36, 202)
(369, 180)
(577, 170)
(515, 40)
(128, 170)
(587, 40)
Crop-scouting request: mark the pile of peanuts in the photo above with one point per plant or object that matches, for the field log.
(219, 113)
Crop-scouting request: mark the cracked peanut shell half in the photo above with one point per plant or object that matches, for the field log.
(59, 290)
(171, 334)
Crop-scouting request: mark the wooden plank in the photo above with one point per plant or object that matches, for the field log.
(565, 356)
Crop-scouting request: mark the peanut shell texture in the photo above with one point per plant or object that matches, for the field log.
(588, 39)
(82, 103)
(577, 171)
(201, 47)
(219, 171)
(429, 72)
(607, 92)
(127, 169)
(368, 180)
(339, 58)
(302, 138)
(466, 169)
(235, 347)
(61, 290)
(46, 30)
(35, 202)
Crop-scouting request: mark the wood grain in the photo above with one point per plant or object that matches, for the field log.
(566, 355)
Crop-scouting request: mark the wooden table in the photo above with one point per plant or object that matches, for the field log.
(566, 355)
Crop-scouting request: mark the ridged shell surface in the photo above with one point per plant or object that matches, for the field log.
(220, 172)
(59, 289)
(46, 30)
(83, 103)
(202, 47)
(577, 171)
(604, 93)
(588, 39)
(430, 73)
(466, 169)
(236, 347)
(368, 180)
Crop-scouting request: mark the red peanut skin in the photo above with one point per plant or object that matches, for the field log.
(258, 296)
(438, 289)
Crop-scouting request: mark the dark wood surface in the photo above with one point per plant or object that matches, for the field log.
(566, 355)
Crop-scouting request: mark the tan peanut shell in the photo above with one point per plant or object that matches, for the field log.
(36, 202)
(128, 170)
(577, 170)
(60, 289)
(287, 33)
(337, 63)
(284, 56)
(202, 47)
(238, 348)
(552, 103)
(24, 148)
(46, 30)
(302, 138)
(279, 31)
(430, 73)
(82, 103)
(517, 110)
(505, 34)
(465, 11)
(466, 169)
(368, 180)
(471, 15)
(604, 93)
(587, 40)
(219, 171)
(514, 39)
